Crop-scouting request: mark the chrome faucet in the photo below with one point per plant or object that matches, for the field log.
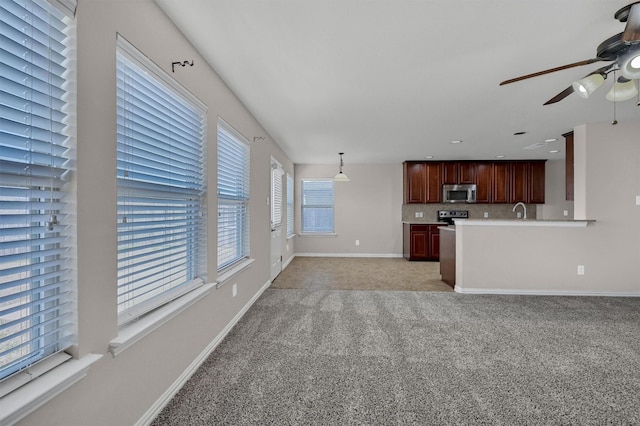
(524, 209)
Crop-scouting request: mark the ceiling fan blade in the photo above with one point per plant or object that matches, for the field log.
(564, 67)
(560, 96)
(631, 32)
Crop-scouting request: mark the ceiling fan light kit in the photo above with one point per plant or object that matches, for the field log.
(586, 86)
(622, 91)
(621, 50)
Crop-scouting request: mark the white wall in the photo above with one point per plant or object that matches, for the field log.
(368, 209)
(118, 391)
(607, 178)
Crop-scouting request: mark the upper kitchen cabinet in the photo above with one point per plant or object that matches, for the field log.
(458, 172)
(496, 181)
(415, 182)
(423, 181)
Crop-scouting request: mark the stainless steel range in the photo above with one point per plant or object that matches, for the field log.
(448, 216)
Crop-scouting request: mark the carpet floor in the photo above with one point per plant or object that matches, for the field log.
(358, 273)
(320, 357)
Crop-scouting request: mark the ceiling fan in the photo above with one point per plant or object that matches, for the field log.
(622, 50)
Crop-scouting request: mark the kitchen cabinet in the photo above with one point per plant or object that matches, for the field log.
(483, 182)
(423, 182)
(496, 181)
(415, 181)
(421, 241)
(500, 178)
(568, 139)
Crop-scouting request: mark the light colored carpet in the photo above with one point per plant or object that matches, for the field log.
(361, 273)
(326, 357)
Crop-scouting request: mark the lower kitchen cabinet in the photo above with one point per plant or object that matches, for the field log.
(421, 241)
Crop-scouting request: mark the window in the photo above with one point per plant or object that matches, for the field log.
(161, 175)
(276, 195)
(289, 205)
(317, 206)
(37, 303)
(233, 196)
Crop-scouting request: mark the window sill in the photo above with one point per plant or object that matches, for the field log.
(290, 236)
(318, 234)
(25, 400)
(228, 273)
(134, 331)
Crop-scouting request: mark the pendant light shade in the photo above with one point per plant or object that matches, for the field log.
(341, 177)
(622, 91)
(588, 85)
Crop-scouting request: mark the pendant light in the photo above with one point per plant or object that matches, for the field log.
(341, 177)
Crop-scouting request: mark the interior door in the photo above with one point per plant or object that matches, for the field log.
(277, 174)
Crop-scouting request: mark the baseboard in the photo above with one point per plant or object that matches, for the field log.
(384, 255)
(157, 406)
(287, 262)
(545, 292)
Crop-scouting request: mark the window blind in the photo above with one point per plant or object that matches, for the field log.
(37, 306)
(289, 205)
(233, 196)
(276, 196)
(161, 174)
(317, 206)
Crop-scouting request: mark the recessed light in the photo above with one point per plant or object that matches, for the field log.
(429, 157)
(519, 133)
(554, 151)
(456, 141)
(499, 156)
(550, 140)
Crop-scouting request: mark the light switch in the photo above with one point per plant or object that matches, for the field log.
(637, 200)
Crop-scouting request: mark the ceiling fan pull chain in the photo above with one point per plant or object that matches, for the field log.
(614, 122)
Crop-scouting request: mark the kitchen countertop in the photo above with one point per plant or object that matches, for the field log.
(412, 222)
(569, 223)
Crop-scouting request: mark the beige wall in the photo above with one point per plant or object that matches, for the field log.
(118, 391)
(533, 259)
(555, 192)
(368, 209)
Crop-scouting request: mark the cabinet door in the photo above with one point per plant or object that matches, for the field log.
(483, 182)
(419, 245)
(500, 182)
(536, 182)
(433, 172)
(434, 242)
(466, 172)
(519, 182)
(449, 173)
(415, 181)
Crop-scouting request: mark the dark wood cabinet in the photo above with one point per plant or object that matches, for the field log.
(415, 181)
(497, 181)
(519, 191)
(568, 139)
(421, 241)
(500, 178)
(483, 182)
(467, 172)
(536, 182)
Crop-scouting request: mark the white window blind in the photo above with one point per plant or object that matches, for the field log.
(233, 196)
(317, 206)
(289, 205)
(37, 305)
(161, 186)
(276, 196)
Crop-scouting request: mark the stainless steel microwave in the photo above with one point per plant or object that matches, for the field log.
(459, 193)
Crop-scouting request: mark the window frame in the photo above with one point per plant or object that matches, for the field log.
(304, 229)
(290, 206)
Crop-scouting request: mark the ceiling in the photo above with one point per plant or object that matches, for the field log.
(391, 80)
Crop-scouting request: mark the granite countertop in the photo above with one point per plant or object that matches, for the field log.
(424, 222)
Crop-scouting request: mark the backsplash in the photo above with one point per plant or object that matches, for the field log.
(476, 211)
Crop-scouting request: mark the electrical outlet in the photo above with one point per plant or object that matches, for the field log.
(519, 215)
(486, 215)
(580, 269)
(234, 290)
(566, 212)
(357, 242)
(417, 214)
(637, 200)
